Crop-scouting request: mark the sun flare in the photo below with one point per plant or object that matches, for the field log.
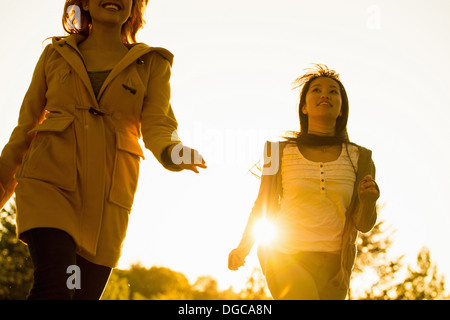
(264, 231)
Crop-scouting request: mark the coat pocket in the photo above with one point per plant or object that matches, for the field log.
(52, 154)
(126, 170)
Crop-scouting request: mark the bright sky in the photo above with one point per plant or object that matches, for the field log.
(231, 91)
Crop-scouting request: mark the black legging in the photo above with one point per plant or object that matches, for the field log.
(52, 252)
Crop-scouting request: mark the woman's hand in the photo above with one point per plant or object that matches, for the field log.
(235, 259)
(186, 158)
(368, 190)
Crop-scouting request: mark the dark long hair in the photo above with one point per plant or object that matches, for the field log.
(304, 82)
(129, 29)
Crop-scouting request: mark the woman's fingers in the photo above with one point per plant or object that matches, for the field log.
(187, 158)
(368, 187)
(193, 167)
(235, 261)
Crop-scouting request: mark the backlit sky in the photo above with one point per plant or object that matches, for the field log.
(231, 91)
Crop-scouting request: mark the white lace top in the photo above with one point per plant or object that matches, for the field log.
(316, 196)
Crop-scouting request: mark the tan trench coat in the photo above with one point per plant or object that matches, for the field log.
(76, 157)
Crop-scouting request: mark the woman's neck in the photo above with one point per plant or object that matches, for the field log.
(321, 130)
(104, 37)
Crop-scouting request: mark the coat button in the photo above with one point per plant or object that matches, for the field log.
(96, 112)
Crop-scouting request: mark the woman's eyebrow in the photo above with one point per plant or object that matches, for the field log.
(319, 85)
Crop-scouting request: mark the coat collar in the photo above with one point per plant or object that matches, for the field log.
(68, 48)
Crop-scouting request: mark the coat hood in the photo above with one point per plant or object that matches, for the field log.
(67, 47)
(136, 49)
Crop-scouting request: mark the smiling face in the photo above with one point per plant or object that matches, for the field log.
(114, 12)
(323, 101)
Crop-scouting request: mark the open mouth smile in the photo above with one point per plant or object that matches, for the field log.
(111, 6)
(325, 103)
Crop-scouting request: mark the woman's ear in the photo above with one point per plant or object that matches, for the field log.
(85, 5)
(304, 111)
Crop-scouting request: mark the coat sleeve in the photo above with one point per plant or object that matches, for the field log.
(158, 122)
(248, 237)
(365, 216)
(31, 113)
(267, 199)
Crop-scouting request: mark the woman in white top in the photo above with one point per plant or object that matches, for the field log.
(319, 197)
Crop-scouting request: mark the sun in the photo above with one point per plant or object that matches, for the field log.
(264, 231)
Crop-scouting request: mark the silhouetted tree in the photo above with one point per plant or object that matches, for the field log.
(158, 283)
(376, 276)
(205, 288)
(117, 288)
(374, 272)
(16, 267)
(155, 283)
(256, 287)
(423, 281)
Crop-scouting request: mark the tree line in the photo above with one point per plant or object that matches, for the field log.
(376, 276)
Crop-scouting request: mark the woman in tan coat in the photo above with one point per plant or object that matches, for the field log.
(73, 159)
